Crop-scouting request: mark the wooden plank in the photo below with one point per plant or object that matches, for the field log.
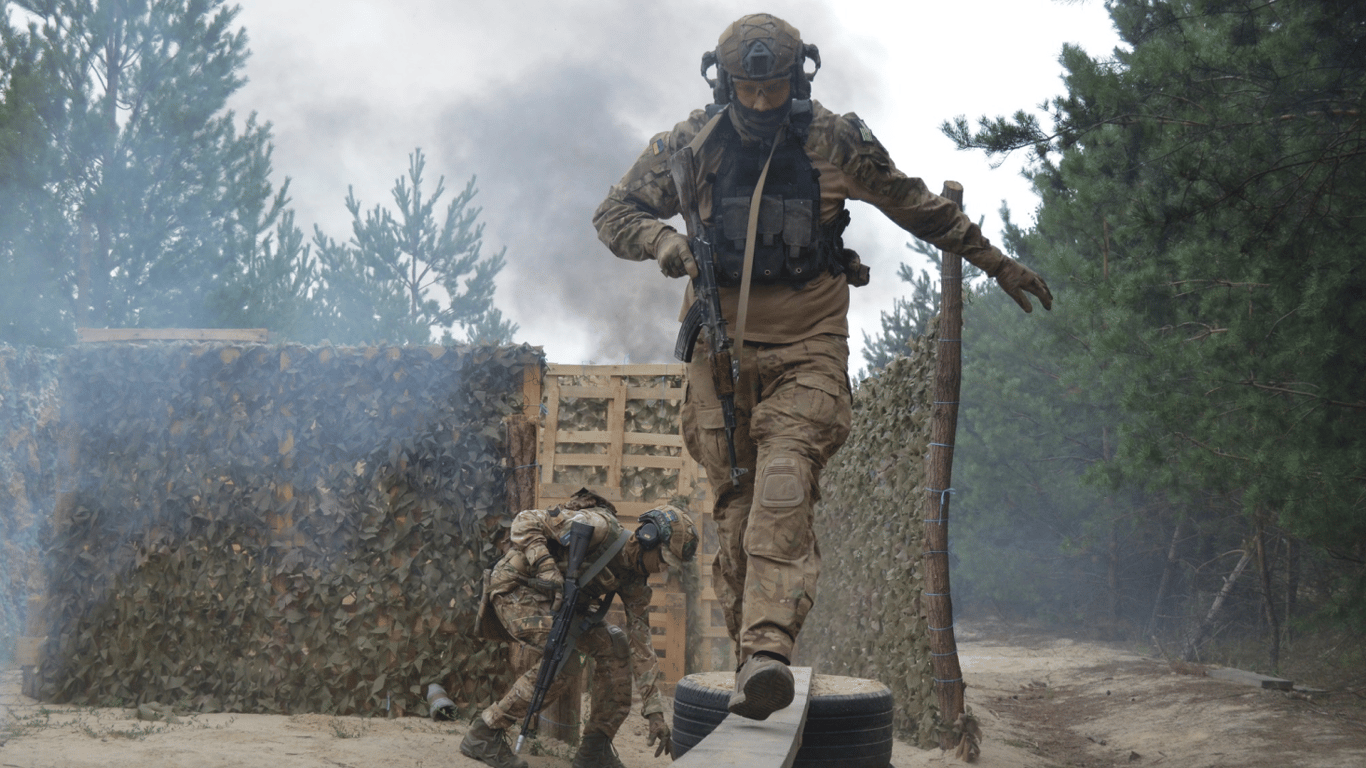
(661, 392)
(531, 392)
(616, 425)
(771, 743)
(1251, 678)
(644, 369)
(562, 491)
(586, 391)
(634, 460)
(604, 392)
(552, 428)
(599, 436)
(251, 335)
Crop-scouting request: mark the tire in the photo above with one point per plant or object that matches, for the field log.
(843, 730)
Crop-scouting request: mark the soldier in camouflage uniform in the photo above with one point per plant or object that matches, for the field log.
(525, 589)
(792, 396)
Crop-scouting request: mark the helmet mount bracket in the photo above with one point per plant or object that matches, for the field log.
(758, 60)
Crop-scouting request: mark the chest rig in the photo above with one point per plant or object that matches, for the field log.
(791, 247)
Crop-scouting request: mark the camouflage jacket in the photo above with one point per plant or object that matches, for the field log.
(853, 165)
(536, 533)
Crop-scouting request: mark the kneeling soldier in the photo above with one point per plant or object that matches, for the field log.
(524, 590)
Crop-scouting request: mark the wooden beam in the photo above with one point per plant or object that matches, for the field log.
(605, 391)
(548, 437)
(655, 369)
(626, 438)
(251, 335)
(771, 743)
(1251, 678)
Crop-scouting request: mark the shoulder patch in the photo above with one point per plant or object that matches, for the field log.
(865, 133)
(657, 146)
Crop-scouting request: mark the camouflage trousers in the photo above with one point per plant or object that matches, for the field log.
(526, 614)
(793, 411)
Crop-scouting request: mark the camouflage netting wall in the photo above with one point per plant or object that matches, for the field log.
(867, 621)
(28, 447)
(278, 529)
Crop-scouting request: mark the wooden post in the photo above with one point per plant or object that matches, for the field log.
(948, 674)
(522, 444)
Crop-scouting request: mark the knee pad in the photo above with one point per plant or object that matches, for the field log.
(782, 482)
(621, 644)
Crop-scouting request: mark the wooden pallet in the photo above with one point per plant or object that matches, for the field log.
(610, 455)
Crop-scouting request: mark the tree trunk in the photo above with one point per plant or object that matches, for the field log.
(1197, 635)
(1165, 582)
(1112, 578)
(1292, 583)
(948, 674)
(1272, 620)
(521, 482)
(84, 298)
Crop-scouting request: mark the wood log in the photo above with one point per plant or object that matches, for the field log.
(948, 674)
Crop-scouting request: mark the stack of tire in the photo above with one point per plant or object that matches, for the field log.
(848, 722)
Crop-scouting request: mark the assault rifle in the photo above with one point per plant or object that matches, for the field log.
(559, 644)
(705, 312)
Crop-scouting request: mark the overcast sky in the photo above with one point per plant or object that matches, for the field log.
(547, 103)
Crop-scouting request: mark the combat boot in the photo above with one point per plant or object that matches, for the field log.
(489, 746)
(596, 751)
(763, 686)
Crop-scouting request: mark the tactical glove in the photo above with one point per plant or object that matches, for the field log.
(674, 256)
(1015, 279)
(660, 730)
(549, 582)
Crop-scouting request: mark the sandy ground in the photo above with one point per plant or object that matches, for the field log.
(1043, 701)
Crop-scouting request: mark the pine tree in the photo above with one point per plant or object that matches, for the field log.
(33, 294)
(162, 198)
(911, 315)
(403, 277)
(1201, 198)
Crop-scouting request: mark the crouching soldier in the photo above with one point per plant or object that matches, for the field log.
(522, 595)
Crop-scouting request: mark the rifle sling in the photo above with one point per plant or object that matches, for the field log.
(701, 138)
(595, 616)
(752, 232)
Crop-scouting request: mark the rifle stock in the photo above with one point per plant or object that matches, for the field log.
(556, 648)
(705, 315)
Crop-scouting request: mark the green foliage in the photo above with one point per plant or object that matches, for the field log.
(159, 205)
(490, 328)
(32, 293)
(1200, 226)
(403, 276)
(1031, 534)
(279, 529)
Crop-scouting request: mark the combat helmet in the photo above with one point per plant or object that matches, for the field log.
(669, 529)
(760, 46)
